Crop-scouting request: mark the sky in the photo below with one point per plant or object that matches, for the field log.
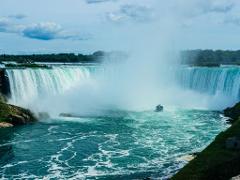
(85, 26)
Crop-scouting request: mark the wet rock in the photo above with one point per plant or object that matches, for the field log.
(5, 125)
(188, 157)
(233, 112)
(69, 115)
(66, 115)
(15, 115)
(4, 84)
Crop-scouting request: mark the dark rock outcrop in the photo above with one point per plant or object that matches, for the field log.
(14, 115)
(4, 83)
(220, 160)
(233, 112)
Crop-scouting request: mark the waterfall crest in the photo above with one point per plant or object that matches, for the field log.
(28, 84)
(212, 81)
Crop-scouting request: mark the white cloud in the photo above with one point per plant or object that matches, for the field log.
(111, 21)
(9, 27)
(17, 16)
(130, 12)
(41, 31)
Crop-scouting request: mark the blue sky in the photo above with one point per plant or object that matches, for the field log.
(84, 26)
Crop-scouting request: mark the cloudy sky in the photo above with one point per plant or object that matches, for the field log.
(50, 26)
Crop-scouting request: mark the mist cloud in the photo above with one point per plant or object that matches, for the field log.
(97, 1)
(17, 16)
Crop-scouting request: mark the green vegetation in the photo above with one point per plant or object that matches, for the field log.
(62, 58)
(216, 161)
(210, 57)
(14, 115)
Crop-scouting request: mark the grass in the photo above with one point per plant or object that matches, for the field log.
(215, 162)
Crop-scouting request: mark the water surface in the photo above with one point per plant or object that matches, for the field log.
(128, 145)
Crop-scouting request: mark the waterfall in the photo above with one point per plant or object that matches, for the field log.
(29, 84)
(223, 81)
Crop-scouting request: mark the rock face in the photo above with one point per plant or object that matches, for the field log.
(5, 125)
(13, 115)
(219, 161)
(233, 112)
(4, 83)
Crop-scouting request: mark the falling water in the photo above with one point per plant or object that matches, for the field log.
(132, 145)
(33, 84)
(28, 84)
(223, 81)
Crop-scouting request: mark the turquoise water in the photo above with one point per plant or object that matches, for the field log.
(128, 145)
(116, 144)
(223, 81)
(219, 86)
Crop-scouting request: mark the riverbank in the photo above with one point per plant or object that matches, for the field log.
(11, 115)
(221, 159)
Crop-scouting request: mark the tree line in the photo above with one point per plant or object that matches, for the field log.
(210, 57)
(188, 57)
(61, 58)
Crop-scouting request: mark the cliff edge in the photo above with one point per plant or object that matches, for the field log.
(11, 115)
(221, 159)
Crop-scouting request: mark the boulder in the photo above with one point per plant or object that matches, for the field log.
(188, 157)
(5, 125)
(15, 115)
(233, 112)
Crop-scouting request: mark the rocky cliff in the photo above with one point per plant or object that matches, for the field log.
(11, 115)
(221, 159)
(4, 83)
